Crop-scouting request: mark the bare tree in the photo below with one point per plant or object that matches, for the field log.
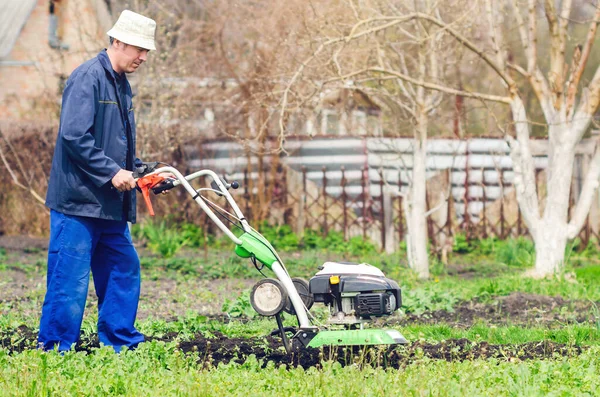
(375, 53)
(566, 103)
(214, 76)
(567, 106)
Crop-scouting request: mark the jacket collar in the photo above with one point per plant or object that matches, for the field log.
(105, 62)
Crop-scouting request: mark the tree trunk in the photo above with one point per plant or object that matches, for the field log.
(550, 242)
(550, 236)
(416, 222)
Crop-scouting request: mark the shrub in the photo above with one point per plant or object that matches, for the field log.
(239, 307)
(461, 245)
(519, 252)
(281, 237)
(161, 239)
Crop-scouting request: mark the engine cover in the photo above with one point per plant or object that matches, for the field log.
(352, 289)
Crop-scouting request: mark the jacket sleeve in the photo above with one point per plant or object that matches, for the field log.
(80, 102)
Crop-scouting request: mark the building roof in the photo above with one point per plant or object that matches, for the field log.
(13, 16)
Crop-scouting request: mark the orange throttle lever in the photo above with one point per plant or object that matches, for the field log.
(145, 184)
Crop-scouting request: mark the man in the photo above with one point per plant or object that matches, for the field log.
(90, 196)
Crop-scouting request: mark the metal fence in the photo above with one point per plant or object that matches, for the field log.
(368, 215)
(358, 192)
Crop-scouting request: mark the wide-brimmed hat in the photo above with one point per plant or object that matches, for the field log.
(134, 29)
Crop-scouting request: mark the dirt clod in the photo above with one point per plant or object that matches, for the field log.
(221, 349)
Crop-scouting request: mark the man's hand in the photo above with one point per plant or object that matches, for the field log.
(123, 181)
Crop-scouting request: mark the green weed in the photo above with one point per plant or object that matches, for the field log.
(519, 252)
(161, 239)
(240, 306)
(420, 300)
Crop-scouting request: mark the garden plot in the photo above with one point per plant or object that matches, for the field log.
(189, 311)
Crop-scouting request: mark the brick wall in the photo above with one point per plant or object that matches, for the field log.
(33, 92)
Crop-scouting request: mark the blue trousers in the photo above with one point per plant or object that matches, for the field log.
(78, 245)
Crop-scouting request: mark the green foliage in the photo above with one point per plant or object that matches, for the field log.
(461, 245)
(281, 237)
(487, 246)
(334, 242)
(358, 246)
(591, 251)
(589, 274)
(420, 300)
(240, 307)
(571, 334)
(195, 235)
(519, 252)
(210, 268)
(284, 239)
(159, 369)
(161, 239)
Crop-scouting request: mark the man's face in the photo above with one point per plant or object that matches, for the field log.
(130, 57)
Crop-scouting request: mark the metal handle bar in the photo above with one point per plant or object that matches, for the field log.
(184, 180)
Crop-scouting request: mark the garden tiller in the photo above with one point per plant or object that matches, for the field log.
(354, 293)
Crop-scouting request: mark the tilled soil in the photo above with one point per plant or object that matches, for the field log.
(515, 309)
(221, 349)
(168, 299)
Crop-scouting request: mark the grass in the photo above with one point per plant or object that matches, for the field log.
(158, 369)
(572, 334)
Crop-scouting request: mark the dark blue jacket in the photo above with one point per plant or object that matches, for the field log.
(95, 131)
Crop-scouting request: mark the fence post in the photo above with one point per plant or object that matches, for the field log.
(388, 221)
(325, 226)
(247, 194)
(400, 211)
(344, 203)
(450, 204)
(303, 202)
(429, 222)
(364, 201)
(285, 197)
(484, 218)
(400, 220)
(466, 215)
(382, 209)
(502, 235)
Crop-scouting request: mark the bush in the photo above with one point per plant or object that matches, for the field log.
(461, 245)
(195, 235)
(161, 239)
(239, 307)
(281, 237)
(519, 252)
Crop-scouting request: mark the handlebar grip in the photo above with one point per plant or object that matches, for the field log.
(164, 186)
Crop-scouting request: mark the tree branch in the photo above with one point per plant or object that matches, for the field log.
(494, 35)
(432, 86)
(580, 65)
(590, 99)
(392, 21)
(15, 178)
(590, 186)
(558, 32)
